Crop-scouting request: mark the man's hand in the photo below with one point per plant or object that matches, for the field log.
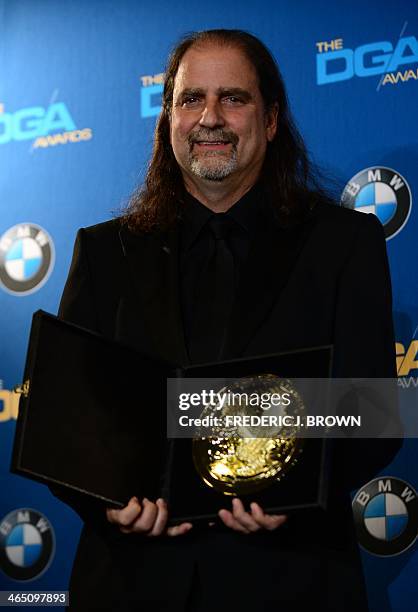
(250, 522)
(147, 518)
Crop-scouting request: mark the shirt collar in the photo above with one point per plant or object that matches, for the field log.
(196, 215)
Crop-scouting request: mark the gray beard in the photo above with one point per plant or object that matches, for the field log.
(218, 167)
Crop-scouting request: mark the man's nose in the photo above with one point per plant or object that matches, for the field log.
(212, 115)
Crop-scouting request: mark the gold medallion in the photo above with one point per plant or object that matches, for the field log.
(254, 445)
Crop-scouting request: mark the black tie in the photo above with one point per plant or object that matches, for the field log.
(214, 296)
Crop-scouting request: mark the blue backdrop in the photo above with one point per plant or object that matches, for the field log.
(80, 89)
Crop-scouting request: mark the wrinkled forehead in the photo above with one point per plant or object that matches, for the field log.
(213, 66)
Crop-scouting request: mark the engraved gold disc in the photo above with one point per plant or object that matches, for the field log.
(242, 456)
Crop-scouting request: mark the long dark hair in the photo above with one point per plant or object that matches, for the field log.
(287, 177)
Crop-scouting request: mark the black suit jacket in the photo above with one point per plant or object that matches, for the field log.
(322, 281)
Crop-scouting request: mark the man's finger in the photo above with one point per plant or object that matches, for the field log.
(228, 519)
(127, 515)
(267, 521)
(161, 518)
(243, 517)
(146, 520)
(179, 529)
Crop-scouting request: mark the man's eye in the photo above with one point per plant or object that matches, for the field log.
(232, 100)
(190, 100)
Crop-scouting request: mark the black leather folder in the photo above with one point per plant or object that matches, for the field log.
(93, 418)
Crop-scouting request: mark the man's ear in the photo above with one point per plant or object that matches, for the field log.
(271, 121)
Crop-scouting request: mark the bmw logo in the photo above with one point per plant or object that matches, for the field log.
(386, 516)
(383, 192)
(26, 258)
(27, 544)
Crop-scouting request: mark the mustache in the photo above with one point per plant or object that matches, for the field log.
(215, 135)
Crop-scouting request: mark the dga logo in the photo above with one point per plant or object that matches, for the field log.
(26, 258)
(406, 358)
(381, 191)
(9, 404)
(151, 90)
(386, 516)
(27, 544)
(47, 127)
(336, 63)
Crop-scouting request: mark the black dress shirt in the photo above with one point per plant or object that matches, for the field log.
(197, 245)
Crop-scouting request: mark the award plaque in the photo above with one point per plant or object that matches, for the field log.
(93, 419)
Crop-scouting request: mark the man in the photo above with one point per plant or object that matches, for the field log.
(231, 250)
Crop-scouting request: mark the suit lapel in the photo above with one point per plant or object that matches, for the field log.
(271, 260)
(150, 314)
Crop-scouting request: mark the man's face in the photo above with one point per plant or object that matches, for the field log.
(219, 127)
